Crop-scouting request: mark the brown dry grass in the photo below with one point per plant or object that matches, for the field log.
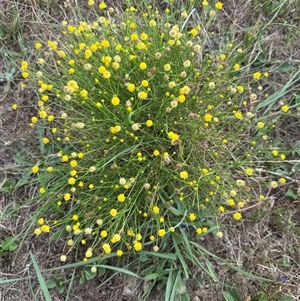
(257, 245)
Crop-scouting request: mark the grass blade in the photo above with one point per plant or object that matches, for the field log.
(6, 281)
(232, 266)
(272, 99)
(40, 278)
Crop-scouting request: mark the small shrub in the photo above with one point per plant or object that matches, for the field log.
(147, 133)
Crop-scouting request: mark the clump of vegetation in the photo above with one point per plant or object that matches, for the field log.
(148, 135)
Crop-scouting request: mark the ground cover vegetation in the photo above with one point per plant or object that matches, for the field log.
(156, 131)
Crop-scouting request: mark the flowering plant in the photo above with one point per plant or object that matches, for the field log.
(147, 132)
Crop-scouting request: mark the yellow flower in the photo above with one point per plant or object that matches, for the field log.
(149, 123)
(67, 197)
(260, 125)
(38, 45)
(183, 175)
(45, 140)
(37, 231)
(282, 181)
(238, 115)
(143, 66)
(181, 98)
(45, 228)
(102, 5)
(219, 5)
(130, 87)
(142, 95)
(240, 89)
(285, 108)
(156, 153)
(161, 232)
(249, 171)
(184, 90)
(73, 163)
(35, 169)
(71, 181)
(42, 190)
(113, 212)
(115, 101)
(145, 83)
(119, 253)
(275, 152)
(89, 253)
(121, 197)
(116, 238)
(236, 67)
(256, 75)
(152, 23)
(199, 231)
(237, 216)
(167, 67)
(231, 202)
(138, 246)
(134, 37)
(208, 117)
(103, 233)
(192, 217)
(84, 93)
(41, 221)
(155, 209)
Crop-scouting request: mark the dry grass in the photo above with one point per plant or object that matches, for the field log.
(266, 243)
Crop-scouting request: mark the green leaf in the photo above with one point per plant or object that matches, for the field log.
(169, 286)
(21, 160)
(82, 279)
(285, 67)
(231, 292)
(177, 237)
(285, 261)
(211, 271)
(58, 234)
(175, 287)
(40, 278)
(175, 211)
(228, 297)
(8, 185)
(101, 271)
(89, 274)
(60, 289)
(185, 297)
(51, 283)
(169, 256)
(291, 194)
(181, 259)
(285, 298)
(152, 276)
(9, 244)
